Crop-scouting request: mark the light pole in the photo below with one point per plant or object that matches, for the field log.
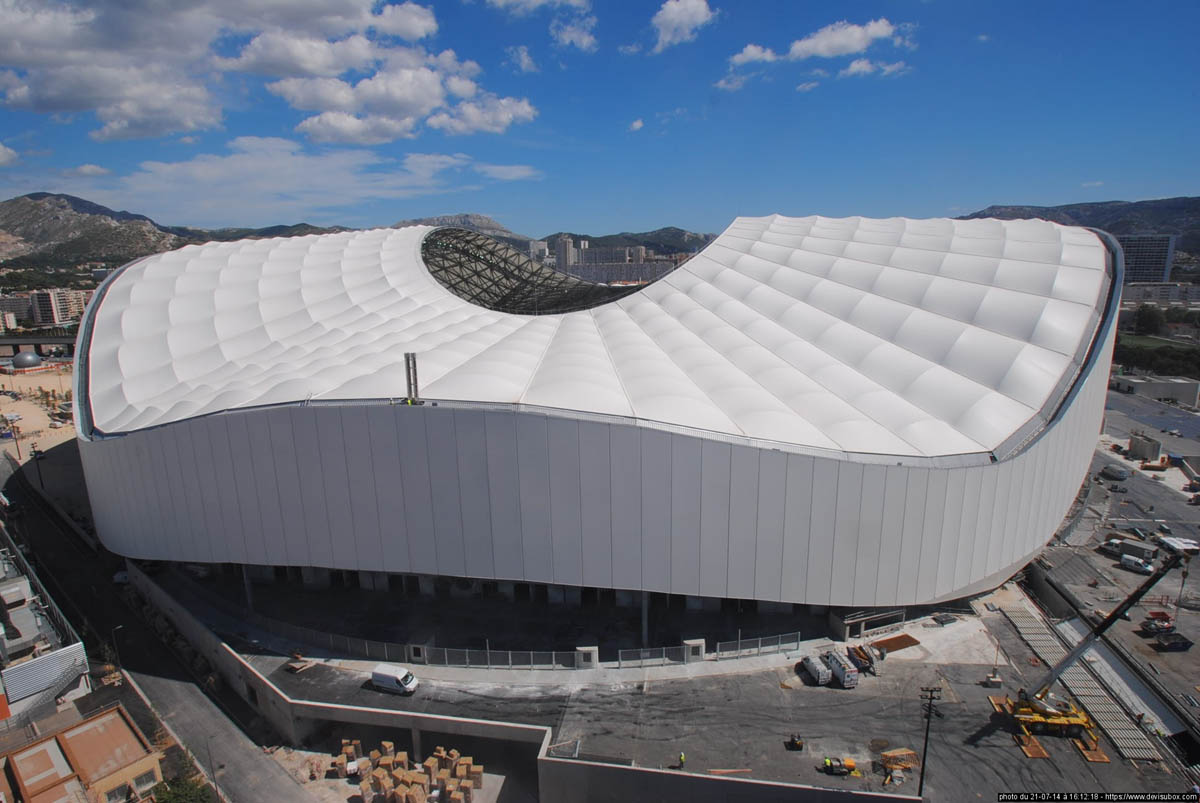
(37, 461)
(212, 768)
(929, 694)
(116, 647)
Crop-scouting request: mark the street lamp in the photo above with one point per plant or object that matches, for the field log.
(116, 646)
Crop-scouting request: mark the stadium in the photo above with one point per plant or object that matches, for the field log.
(832, 412)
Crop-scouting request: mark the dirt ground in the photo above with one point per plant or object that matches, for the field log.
(35, 420)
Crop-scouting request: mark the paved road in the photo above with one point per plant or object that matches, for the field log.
(80, 583)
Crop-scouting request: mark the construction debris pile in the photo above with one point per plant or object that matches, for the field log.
(386, 776)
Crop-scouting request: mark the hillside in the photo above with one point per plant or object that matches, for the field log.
(1163, 216)
(664, 241)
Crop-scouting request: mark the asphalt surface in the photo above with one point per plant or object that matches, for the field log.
(80, 582)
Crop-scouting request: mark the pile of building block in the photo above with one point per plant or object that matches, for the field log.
(384, 775)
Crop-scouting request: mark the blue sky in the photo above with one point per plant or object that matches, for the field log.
(594, 116)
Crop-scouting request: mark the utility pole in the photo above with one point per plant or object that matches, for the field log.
(930, 694)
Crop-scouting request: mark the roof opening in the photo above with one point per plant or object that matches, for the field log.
(494, 275)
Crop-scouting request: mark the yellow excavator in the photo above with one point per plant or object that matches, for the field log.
(1040, 711)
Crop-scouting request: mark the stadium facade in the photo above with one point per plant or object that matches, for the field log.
(845, 412)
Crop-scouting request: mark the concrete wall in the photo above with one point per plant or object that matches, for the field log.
(517, 495)
(570, 781)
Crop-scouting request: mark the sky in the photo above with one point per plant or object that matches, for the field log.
(593, 116)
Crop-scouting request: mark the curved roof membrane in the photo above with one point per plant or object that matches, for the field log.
(918, 338)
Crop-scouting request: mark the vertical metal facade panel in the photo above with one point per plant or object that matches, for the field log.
(364, 511)
(312, 491)
(870, 531)
(768, 550)
(273, 541)
(891, 538)
(566, 523)
(986, 524)
(418, 497)
(847, 528)
(947, 554)
(715, 530)
(389, 488)
(818, 568)
(797, 519)
(534, 467)
(656, 510)
(173, 477)
(743, 520)
(248, 498)
(969, 525)
(197, 528)
(278, 423)
(206, 472)
(145, 527)
(686, 476)
(443, 481)
(474, 492)
(931, 534)
(595, 504)
(336, 486)
(625, 446)
(1005, 513)
(504, 493)
(231, 544)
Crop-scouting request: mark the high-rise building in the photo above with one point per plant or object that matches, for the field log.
(18, 305)
(1148, 257)
(565, 252)
(538, 250)
(57, 306)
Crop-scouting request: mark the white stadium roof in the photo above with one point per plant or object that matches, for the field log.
(917, 338)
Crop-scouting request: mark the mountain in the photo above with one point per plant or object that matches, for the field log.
(480, 223)
(1162, 216)
(663, 241)
(46, 229)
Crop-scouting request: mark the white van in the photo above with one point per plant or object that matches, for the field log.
(393, 678)
(1135, 564)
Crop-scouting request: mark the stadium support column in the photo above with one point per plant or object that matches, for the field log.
(645, 618)
(249, 590)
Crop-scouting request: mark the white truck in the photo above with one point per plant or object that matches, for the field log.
(817, 669)
(842, 669)
(394, 678)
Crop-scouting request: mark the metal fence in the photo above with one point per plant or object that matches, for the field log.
(655, 656)
(482, 659)
(757, 646)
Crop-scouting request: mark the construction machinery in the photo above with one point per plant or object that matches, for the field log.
(837, 766)
(1039, 711)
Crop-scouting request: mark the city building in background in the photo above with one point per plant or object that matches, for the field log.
(1179, 389)
(1148, 257)
(58, 306)
(802, 413)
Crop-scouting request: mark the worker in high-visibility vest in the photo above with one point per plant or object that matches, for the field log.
(682, 760)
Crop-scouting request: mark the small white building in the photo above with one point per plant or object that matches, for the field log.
(1178, 389)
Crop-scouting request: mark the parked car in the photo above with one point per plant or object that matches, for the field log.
(1118, 489)
(1136, 565)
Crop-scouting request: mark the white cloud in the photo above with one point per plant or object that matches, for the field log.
(983, 37)
(678, 20)
(489, 113)
(630, 49)
(7, 155)
(189, 140)
(507, 172)
(87, 170)
(575, 32)
(342, 127)
(285, 53)
(316, 94)
(1084, 184)
(265, 180)
(149, 74)
(406, 20)
(732, 82)
(527, 6)
(751, 53)
(858, 67)
(637, 125)
(867, 67)
(520, 59)
(841, 39)
(807, 86)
